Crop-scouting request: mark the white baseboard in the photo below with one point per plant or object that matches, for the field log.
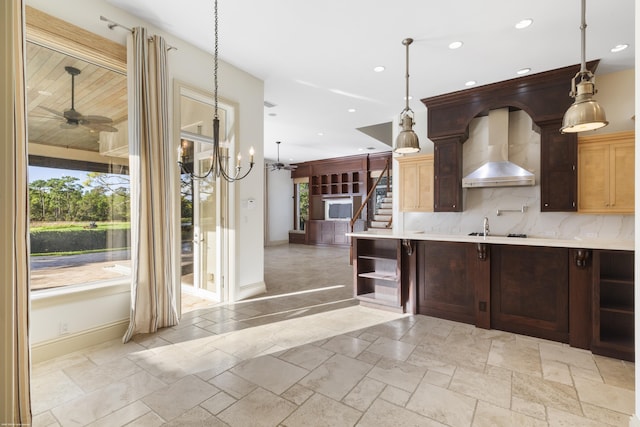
(73, 342)
(276, 243)
(252, 290)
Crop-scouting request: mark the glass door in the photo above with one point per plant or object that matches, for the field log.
(204, 244)
(202, 267)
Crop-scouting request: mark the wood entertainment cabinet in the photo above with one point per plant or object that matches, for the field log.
(334, 180)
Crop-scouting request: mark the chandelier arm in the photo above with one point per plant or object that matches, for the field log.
(192, 175)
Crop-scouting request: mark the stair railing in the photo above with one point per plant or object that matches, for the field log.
(369, 194)
(366, 201)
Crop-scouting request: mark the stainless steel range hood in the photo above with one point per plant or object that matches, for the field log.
(499, 171)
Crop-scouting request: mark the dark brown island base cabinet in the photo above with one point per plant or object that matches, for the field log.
(582, 297)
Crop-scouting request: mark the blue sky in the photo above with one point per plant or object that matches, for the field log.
(37, 172)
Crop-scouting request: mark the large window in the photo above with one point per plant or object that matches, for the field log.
(301, 195)
(78, 170)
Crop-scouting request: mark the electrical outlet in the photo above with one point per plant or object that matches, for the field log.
(63, 328)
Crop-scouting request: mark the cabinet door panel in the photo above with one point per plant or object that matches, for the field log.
(425, 189)
(593, 171)
(559, 181)
(408, 186)
(606, 173)
(529, 291)
(416, 183)
(445, 286)
(622, 191)
(341, 228)
(447, 164)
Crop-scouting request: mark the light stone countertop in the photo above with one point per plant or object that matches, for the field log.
(613, 244)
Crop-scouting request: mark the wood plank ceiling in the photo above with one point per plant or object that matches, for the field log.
(98, 91)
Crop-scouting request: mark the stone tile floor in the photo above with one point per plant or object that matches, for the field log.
(308, 360)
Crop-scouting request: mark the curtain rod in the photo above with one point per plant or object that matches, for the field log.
(112, 24)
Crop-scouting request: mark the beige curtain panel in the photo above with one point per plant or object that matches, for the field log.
(153, 301)
(15, 401)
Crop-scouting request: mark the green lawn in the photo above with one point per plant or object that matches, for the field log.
(72, 226)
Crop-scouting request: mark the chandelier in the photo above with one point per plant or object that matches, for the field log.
(219, 161)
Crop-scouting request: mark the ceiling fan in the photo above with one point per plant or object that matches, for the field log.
(281, 166)
(73, 119)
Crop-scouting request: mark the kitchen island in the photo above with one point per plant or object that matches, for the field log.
(577, 291)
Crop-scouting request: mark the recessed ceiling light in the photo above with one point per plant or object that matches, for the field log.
(455, 45)
(522, 71)
(470, 83)
(320, 134)
(351, 110)
(619, 48)
(379, 69)
(273, 114)
(360, 149)
(524, 23)
(371, 148)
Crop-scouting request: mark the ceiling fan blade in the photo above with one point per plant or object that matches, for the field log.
(52, 111)
(100, 127)
(95, 119)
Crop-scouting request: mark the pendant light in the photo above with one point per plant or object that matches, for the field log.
(585, 113)
(407, 141)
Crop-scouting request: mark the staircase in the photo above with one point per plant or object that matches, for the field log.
(383, 213)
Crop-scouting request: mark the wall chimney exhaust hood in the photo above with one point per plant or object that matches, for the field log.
(498, 171)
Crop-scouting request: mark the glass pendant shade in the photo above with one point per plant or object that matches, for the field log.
(407, 141)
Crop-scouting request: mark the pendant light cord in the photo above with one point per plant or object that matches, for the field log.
(215, 59)
(407, 42)
(583, 41)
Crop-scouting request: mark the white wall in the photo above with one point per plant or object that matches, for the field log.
(614, 94)
(193, 66)
(279, 205)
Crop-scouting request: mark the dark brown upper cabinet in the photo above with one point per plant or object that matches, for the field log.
(544, 96)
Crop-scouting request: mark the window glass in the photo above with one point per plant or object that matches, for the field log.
(78, 171)
(302, 205)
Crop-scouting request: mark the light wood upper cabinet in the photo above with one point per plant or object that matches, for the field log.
(416, 183)
(606, 173)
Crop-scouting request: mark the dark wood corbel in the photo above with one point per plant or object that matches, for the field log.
(483, 250)
(581, 257)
